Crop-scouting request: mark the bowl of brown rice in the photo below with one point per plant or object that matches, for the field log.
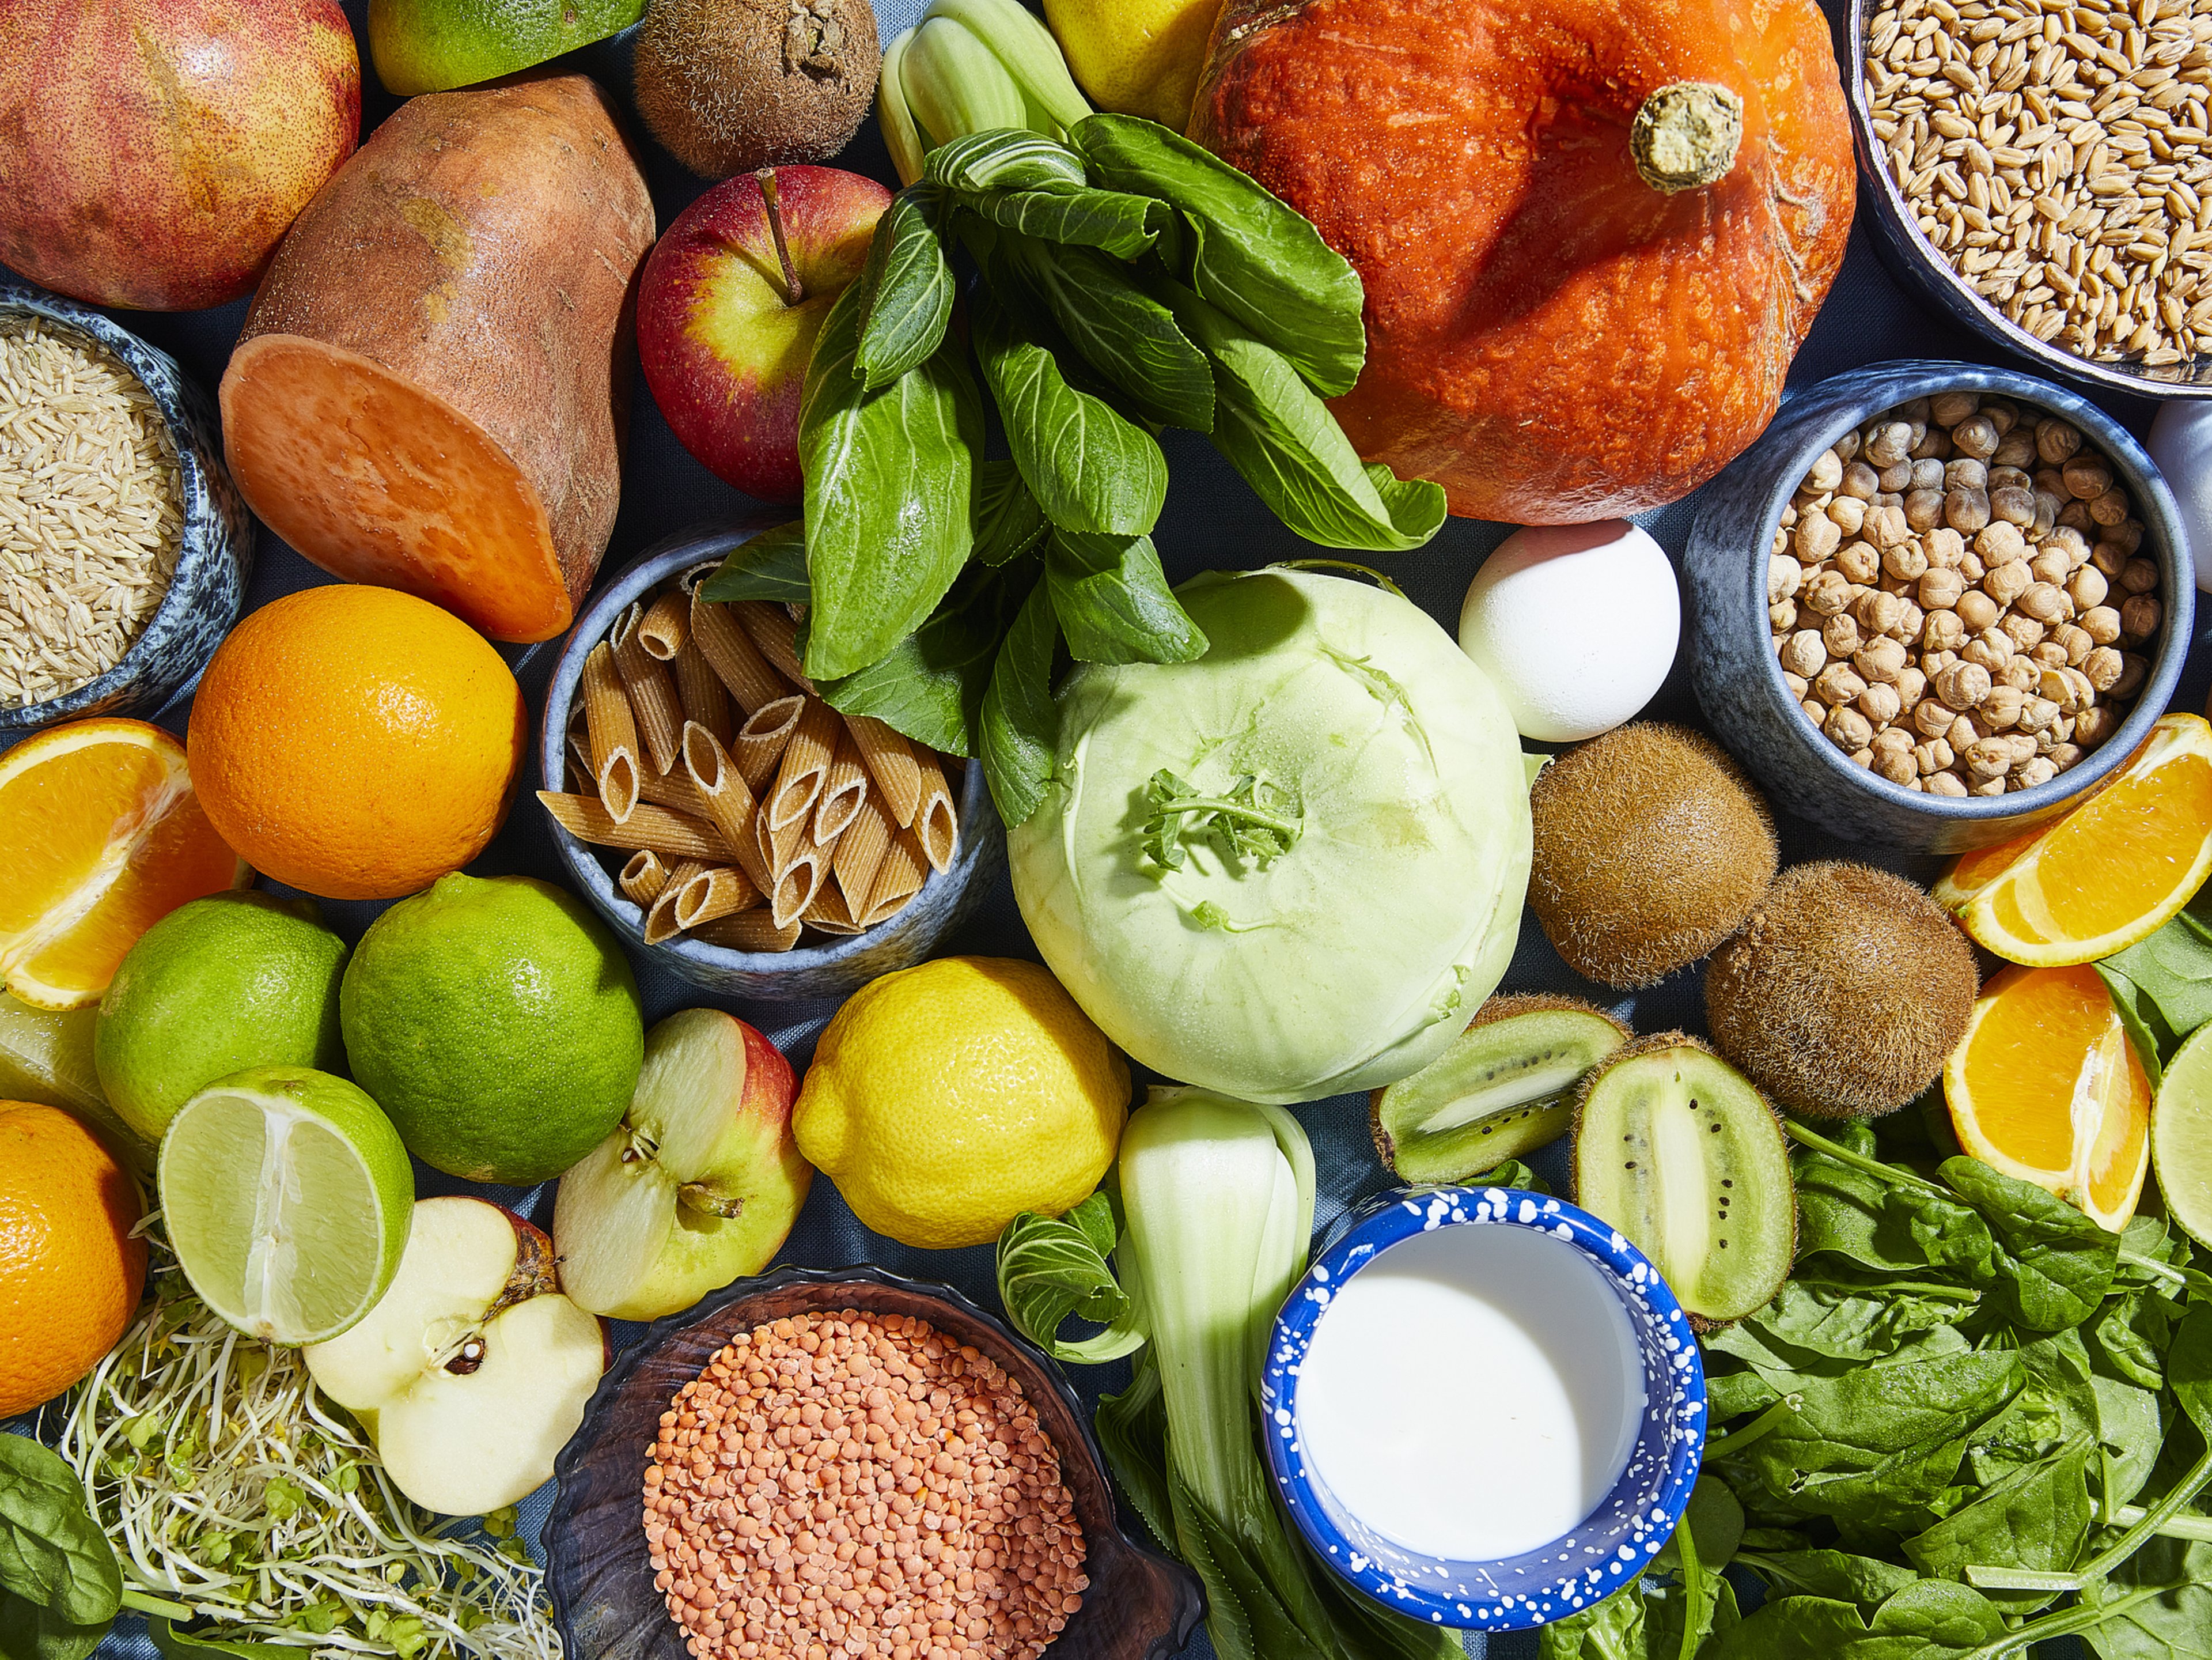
(848, 1459)
(125, 549)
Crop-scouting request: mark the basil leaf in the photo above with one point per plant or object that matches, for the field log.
(1121, 225)
(906, 287)
(930, 685)
(771, 566)
(1008, 521)
(1116, 327)
(1053, 1266)
(1020, 730)
(889, 494)
(1006, 158)
(52, 1552)
(1251, 253)
(1088, 469)
(202, 1645)
(1114, 603)
(31, 1631)
(1283, 439)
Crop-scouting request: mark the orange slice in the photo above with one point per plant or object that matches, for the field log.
(100, 837)
(2111, 872)
(2046, 1087)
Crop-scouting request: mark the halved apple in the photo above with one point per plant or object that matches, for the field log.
(472, 1370)
(698, 1185)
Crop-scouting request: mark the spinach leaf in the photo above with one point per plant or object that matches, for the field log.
(1086, 467)
(2130, 1431)
(1006, 158)
(30, 1631)
(1008, 521)
(2056, 1265)
(906, 288)
(1609, 1630)
(2176, 1625)
(1845, 1315)
(1120, 225)
(889, 494)
(2039, 1517)
(1114, 603)
(2130, 1334)
(1019, 734)
(53, 1553)
(2162, 986)
(930, 685)
(772, 566)
(1250, 252)
(1927, 1620)
(1120, 331)
(1835, 1575)
(1052, 1267)
(175, 1644)
(1510, 1174)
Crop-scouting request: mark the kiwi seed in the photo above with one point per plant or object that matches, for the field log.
(732, 86)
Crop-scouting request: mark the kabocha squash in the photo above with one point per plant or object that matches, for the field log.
(1593, 233)
(429, 394)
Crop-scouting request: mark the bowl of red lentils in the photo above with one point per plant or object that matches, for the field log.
(820, 1463)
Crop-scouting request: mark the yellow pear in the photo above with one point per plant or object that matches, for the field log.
(1139, 56)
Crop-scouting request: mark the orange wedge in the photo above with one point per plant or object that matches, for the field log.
(2046, 1087)
(2111, 872)
(100, 838)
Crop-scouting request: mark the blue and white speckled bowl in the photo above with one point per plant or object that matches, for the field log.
(1607, 1551)
(216, 556)
(946, 901)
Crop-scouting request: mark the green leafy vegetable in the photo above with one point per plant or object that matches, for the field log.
(53, 1553)
(1050, 1268)
(1020, 728)
(1006, 159)
(1112, 222)
(1251, 819)
(175, 1644)
(771, 566)
(930, 685)
(1117, 328)
(906, 289)
(1114, 603)
(2162, 986)
(1008, 521)
(30, 1631)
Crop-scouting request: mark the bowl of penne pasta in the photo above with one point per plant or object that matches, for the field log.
(723, 816)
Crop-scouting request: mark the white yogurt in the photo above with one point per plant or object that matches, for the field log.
(1473, 1393)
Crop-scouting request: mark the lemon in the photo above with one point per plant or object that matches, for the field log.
(1139, 56)
(945, 1099)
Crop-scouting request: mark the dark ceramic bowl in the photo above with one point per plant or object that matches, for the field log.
(1731, 648)
(1923, 271)
(1139, 1606)
(215, 558)
(945, 900)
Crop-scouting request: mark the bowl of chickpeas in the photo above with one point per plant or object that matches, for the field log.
(1937, 604)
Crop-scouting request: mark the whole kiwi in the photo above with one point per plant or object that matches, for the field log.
(1651, 846)
(732, 86)
(1845, 992)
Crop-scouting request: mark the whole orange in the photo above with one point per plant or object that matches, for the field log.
(69, 1271)
(355, 743)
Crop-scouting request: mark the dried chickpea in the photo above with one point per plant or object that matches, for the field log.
(1860, 480)
(1948, 408)
(1878, 612)
(2112, 508)
(1785, 576)
(1944, 547)
(1840, 634)
(1826, 472)
(2046, 602)
(2088, 477)
(1977, 435)
(1816, 539)
(1944, 783)
(1848, 729)
(1848, 514)
(1880, 704)
(1880, 659)
(1911, 684)
(2134, 670)
(1999, 543)
(2041, 771)
(1858, 562)
(1905, 560)
(1830, 591)
(1932, 756)
(2140, 617)
(1896, 768)
(1940, 590)
(2007, 582)
(2020, 672)
(1783, 617)
(2102, 668)
(2056, 440)
(2101, 623)
(2025, 632)
(1896, 479)
(1803, 653)
(1838, 684)
(2088, 588)
(2000, 709)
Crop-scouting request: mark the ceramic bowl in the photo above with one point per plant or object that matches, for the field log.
(1140, 1606)
(1739, 681)
(213, 563)
(1906, 251)
(946, 901)
(1609, 1549)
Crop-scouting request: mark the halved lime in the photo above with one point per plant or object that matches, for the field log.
(2181, 1137)
(286, 1195)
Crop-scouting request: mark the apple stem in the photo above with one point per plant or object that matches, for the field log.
(794, 291)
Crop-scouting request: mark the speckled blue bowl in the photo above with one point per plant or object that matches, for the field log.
(215, 558)
(1739, 682)
(946, 901)
(1607, 1551)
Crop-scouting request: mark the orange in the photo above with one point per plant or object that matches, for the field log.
(2046, 1086)
(356, 742)
(101, 835)
(69, 1271)
(2113, 871)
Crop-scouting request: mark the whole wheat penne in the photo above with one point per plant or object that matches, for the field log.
(651, 694)
(677, 790)
(771, 629)
(665, 625)
(704, 698)
(935, 825)
(898, 879)
(890, 758)
(796, 866)
(736, 662)
(722, 891)
(759, 743)
(727, 803)
(829, 912)
(611, 732)
(806, 766)
(755, 930)
(661, 923)
(643, 878)
(843, 788)
(860, 850)
(666, 832)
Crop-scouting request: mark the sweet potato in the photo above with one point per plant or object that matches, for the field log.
(430, 393)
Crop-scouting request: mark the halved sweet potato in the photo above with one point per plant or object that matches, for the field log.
(430, 392)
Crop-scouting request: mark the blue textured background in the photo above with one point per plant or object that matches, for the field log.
(1212, 520)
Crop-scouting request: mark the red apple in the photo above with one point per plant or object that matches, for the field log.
(726, 321)
(152, 153)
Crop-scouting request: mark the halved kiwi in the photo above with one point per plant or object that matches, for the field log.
(1681, 1151)
(1503, 1087)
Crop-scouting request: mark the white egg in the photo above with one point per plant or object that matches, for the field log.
(2181, 443)
(1576, 625)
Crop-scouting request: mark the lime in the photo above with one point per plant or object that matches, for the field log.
(498, 1024)
(430, 46)
(233, 980)
(46, 1057)
(287, 1196)
(2181, 1137)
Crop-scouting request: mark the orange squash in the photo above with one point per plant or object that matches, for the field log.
(1568, 318)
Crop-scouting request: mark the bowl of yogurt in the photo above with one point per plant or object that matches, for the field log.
(1483, 1407)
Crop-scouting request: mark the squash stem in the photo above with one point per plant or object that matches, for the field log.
(1685, 135)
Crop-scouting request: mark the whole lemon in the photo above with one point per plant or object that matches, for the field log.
(946, 1098)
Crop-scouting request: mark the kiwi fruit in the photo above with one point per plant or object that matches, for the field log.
(732, 86)
(1681, 1151)
(1651, 846)
(1504, 1087)
(1845, 993)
